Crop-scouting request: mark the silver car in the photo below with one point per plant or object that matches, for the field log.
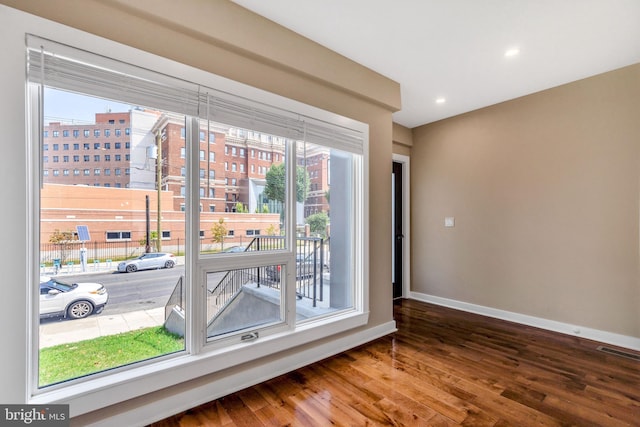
(147, 261)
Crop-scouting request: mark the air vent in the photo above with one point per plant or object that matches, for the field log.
(620, 353)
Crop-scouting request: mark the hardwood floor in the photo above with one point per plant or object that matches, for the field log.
(443, 367)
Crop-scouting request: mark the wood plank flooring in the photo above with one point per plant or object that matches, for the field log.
(443, 368)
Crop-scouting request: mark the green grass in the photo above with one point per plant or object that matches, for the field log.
(73, 360)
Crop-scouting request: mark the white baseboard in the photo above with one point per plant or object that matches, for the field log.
(619, 340)
(140, 415)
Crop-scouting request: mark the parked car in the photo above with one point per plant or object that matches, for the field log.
(73, 300)
(148, 261)
(304, 268)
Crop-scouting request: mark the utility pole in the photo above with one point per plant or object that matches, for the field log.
(159, 187)
(147, 247)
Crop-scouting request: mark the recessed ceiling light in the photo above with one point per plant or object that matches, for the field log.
(512, 52)
(440, 100)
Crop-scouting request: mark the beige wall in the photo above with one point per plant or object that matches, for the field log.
(229, 41)
(544, 191)
(402, 140)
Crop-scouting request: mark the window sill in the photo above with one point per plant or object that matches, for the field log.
(115, 387)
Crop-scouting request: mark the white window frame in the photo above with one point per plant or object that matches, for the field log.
(111, 387)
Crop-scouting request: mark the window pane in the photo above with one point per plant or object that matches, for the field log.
(327, 231)
(242, 299)
(89, 232)
(238, 200)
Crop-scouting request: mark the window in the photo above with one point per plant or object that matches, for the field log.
(107, 157)
(241, 167)
(107, 133)
(96, 132)
(65, 146)
(55, 159)
(118, 132)
(280, 261)
(56, 133)
(65, 133)
(202, 135)
(56, 172)
(76, 158)
(118, 235)
(242, 152)
(86, 134)
(76, 146)
(127, 131)
(65, 172)
(234, 167)
(127, 145)
(86, 158)
(96, 171)
(212, 174)
(212, 138)
(56, 147)
(86, 146)
(76, 172)
(65, 159)
(212, 156)
(96, 158)
(107, 172)
(118, 145)
(107, 146)
(96, 145)
(76, 133)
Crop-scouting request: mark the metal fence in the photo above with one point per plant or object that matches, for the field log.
(63, 253)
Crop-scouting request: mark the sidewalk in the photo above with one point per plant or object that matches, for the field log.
(68, 331)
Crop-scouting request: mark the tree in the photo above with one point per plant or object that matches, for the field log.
(240, 208)
(219, 232)
(275, 188)
(63, 239)
(153, 240)
(318, 223)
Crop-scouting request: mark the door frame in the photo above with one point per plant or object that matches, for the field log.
(406, 222)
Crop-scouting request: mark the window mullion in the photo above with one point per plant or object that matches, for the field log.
(290, 226)
(196, 316)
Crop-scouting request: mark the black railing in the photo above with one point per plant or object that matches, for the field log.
(310, 264)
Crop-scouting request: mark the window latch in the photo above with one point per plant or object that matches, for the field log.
(249, 337)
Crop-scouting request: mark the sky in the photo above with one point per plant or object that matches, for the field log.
(61, 106)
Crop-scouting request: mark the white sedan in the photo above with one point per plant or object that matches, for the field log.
(148, 261)
(74, 300)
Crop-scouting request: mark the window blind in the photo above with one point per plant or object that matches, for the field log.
(66, 68)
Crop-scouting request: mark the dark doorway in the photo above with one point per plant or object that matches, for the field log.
(398, 235)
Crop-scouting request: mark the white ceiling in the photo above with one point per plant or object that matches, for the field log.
(456, 48)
